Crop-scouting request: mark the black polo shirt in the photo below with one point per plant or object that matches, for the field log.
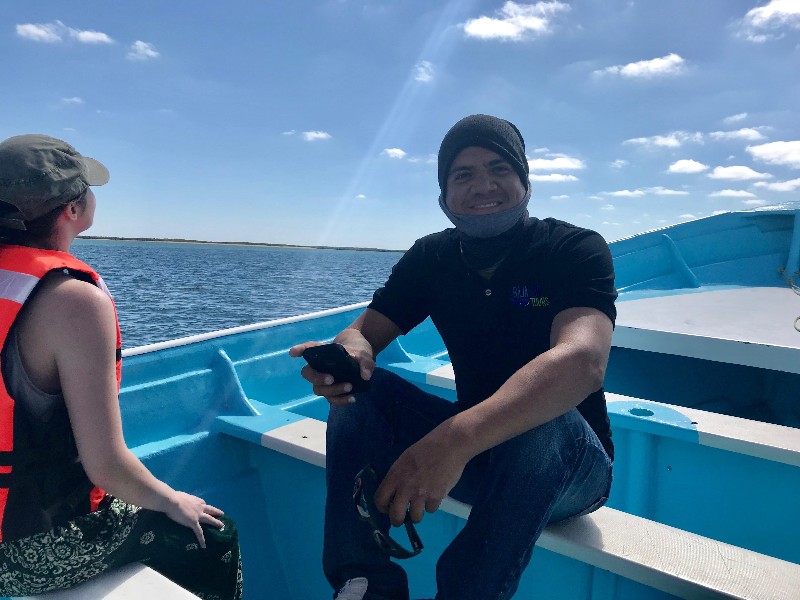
(493, 328)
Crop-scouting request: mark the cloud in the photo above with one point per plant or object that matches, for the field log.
(687, 165)
(394, 153)
(662, 191)
(638, 193)
(140, 50)
(560, 197)
(748, 134)
(759, 22)
(91, 37)
(361, 197)
(51, 33)
(756, 202)
(779, 186)
(735, 118)
(559, 162)
(313, 136)
(626, 193)
(665, 66)
(290, 132)
(608, 207)
(553, 178)
(516, 22)
(423, 71)
(40, 32)
(73, 100)
(778, 153)
(688, 217)
(739, 173)
(732, 194)
(418, 159)
(619, 163)
(672, 140)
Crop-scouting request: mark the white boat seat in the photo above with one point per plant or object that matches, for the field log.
(743, 436)
(672, 560)
(719, 325)
(131, 582)
(663, 557)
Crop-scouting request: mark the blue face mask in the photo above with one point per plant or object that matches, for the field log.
(487, 226)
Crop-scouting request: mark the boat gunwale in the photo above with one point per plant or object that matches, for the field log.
(202, 337)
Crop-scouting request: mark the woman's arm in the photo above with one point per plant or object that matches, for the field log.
(81, 332)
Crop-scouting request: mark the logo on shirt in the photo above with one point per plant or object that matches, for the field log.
(529, 295)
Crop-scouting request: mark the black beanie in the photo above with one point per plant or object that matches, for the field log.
(485, 131)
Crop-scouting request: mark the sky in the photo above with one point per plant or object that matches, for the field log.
(318, 122)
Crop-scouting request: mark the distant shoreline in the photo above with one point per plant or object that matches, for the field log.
(257, 244)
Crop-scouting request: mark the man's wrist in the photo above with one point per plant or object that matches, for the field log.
(457, 435)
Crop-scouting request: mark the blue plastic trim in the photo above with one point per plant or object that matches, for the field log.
(251, 428)
(680, 263)
(234, 400)
(652, 418)
(793, 260)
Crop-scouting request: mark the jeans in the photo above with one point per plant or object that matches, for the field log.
(553, 472)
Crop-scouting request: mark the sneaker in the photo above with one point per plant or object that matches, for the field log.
(353, 589)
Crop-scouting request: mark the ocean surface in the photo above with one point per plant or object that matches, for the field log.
(168, 290)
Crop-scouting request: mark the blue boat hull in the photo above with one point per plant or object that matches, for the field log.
(227, 415)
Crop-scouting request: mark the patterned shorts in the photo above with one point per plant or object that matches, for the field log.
(117, 535)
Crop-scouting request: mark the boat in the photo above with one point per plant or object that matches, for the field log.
(702, 389)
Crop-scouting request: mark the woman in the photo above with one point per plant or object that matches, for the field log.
(74, 500)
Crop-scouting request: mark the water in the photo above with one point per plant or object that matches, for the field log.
(167, 290)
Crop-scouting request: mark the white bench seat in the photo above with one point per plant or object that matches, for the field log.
(131, 582)
(651, 553)
(743, 436)
(718, 325)
(672, 560)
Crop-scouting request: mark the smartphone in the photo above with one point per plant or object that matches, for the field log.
(334, 360)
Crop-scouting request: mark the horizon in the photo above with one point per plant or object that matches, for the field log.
(317, 124)
(86, 236)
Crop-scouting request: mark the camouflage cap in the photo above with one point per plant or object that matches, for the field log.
(39, 173)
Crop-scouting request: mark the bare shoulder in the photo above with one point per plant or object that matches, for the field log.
(66, 304)
(67, 319)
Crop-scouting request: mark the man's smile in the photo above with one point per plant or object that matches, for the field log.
(486, 205)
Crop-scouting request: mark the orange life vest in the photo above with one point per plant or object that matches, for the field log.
(42, 483)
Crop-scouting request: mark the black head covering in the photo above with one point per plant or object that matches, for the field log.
(485, 131)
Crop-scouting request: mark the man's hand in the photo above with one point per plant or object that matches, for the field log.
(420, 479)
(338, 393)
(364, 339)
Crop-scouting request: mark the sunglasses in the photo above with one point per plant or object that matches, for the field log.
(366, 484)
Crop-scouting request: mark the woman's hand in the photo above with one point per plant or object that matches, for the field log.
(192, 512)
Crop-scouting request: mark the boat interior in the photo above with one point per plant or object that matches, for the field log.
(702, 389)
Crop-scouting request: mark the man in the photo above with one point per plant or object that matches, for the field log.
(526, 310)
